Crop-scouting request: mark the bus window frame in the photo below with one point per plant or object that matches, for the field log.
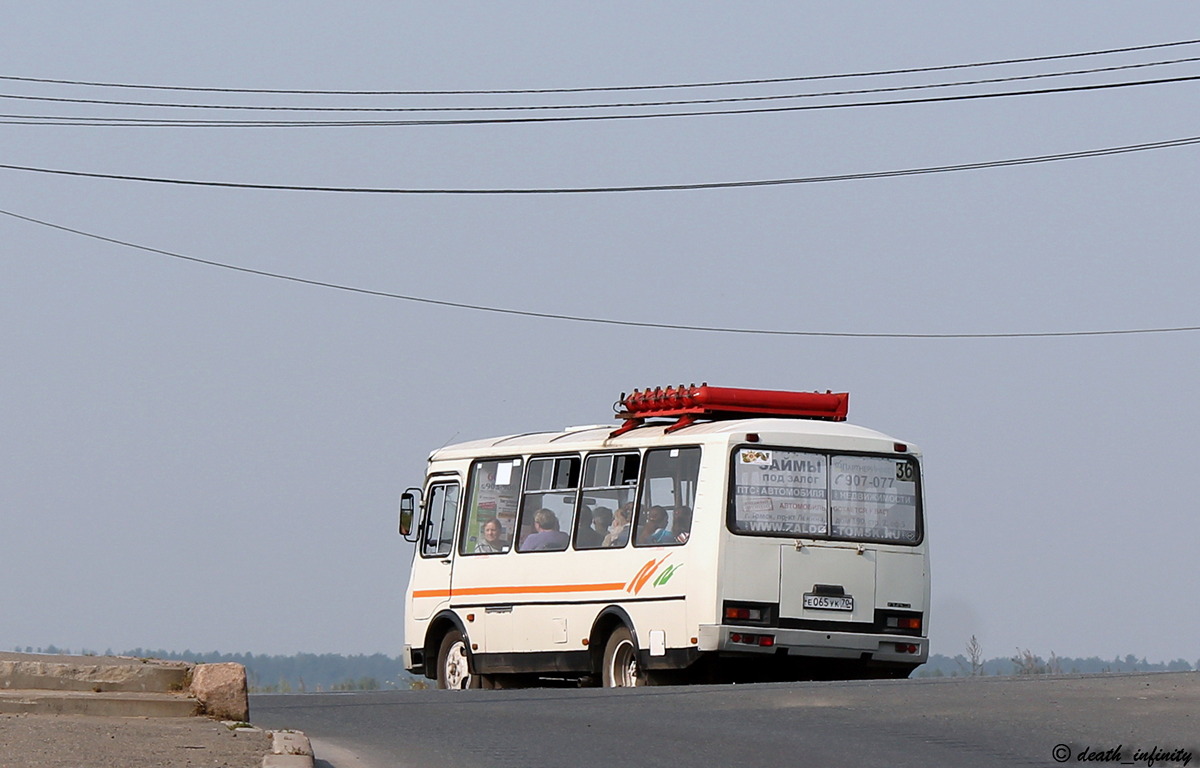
(731, 496)
(466, 495)
(436, 481)
(637, 484)
(514, 544)
(638, 509)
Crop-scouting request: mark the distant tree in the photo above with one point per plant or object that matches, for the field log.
(1028, 663)
(975, 653)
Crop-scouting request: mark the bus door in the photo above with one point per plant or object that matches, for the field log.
(435, 559)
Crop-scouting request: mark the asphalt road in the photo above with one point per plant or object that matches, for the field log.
(978, 722)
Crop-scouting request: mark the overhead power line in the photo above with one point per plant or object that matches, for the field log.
(166, 122)
(593, 89)
(17, 119)
(1101, 152)
(604, 105)
(587, 319)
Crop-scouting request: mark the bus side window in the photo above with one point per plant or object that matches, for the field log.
(548, 504)
(491, 513)
(667, 497)
(441, 513)
(609, 483)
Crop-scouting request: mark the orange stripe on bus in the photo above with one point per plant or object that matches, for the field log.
(544, 589)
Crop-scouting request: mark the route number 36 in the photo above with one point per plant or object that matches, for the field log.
(904, 471)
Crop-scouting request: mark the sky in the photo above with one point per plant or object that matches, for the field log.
(202, 458)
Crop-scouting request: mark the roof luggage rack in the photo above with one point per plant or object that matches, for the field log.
(690, 404)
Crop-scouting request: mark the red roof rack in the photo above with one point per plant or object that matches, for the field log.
(688, 404)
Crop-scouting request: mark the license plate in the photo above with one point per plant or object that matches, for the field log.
(828, 603)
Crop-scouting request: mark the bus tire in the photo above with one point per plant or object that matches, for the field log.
(453, 665)
(620, 665)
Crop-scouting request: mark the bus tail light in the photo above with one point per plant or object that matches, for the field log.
(906, 624)
(743, 638)
(738, 613)
(907, 648)
(760, 614)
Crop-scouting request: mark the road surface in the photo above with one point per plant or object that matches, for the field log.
(980, 722)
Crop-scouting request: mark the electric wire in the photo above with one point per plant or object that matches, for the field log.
(605, 105)
(587, 319)
(1017, 161)
(592, 89)
(161, 122)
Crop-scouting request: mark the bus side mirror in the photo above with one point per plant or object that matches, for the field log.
(408, 506)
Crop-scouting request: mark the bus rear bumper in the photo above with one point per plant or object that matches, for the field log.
(757, 641)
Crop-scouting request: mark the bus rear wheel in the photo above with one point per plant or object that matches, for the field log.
(453, 669)
(621, 668)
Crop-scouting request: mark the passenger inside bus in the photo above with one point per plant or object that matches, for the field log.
(618, 532)
(681, 525)
(654, 528)
(493, 538)
(602, 518)
(586, 537)
(546, 535)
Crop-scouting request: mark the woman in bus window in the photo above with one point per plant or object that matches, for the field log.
(618, 532)
(493, 538)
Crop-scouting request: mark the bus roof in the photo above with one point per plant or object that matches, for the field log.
(828, 435)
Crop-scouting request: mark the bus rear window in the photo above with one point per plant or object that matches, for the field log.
(840, 496)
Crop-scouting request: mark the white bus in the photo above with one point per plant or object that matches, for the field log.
(717, 535)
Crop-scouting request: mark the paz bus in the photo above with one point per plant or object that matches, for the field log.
(716, 534)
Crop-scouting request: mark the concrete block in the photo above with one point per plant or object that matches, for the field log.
(22, 671)
(290, 743)
(117, 704)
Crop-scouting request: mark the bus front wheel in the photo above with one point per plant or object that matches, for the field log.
(453, 670)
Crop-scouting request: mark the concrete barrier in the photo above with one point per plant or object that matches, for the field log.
(121, 686)
(26, 671)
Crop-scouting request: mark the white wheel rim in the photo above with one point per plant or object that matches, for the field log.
(458, 674)
(623, 671)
